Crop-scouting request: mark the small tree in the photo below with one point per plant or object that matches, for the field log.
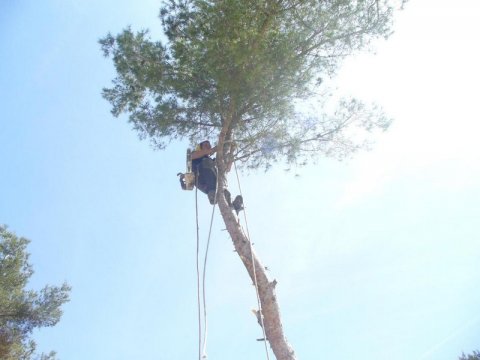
(237, 70)
(473, 356)
(23, 310)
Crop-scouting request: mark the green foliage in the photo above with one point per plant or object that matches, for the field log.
(21, 310)
(244, 67)
(474, 356)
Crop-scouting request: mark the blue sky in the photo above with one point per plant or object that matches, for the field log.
(376, 257)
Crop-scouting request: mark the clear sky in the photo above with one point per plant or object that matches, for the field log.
(377, 257)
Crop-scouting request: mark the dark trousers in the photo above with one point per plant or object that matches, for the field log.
(206, 180)
(206, 176)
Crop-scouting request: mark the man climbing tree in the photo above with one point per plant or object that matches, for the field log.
(239, 71)
(205, 171)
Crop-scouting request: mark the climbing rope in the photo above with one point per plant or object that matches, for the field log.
(202, 351)
(259, 302)
(198, 278)
(203, 284)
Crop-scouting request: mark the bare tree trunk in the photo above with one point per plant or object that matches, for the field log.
(266, 288)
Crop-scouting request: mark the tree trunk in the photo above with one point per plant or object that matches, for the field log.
(266, 288)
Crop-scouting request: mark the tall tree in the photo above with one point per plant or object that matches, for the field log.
(237, 71)
(22, 310)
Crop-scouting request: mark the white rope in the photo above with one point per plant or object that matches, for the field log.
(203, 284)
(202, 354)
(253, 266)
(202, 351)
(198, 279)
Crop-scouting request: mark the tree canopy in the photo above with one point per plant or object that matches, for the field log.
(22, 310)
(244, 67)
(240, 71)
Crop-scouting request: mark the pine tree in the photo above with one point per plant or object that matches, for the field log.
(236, 71)
(22, 310)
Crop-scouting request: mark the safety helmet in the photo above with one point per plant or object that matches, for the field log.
(199, 146)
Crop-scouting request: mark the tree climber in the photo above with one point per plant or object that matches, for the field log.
(206, 175)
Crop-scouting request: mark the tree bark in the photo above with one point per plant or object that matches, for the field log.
(266, 288)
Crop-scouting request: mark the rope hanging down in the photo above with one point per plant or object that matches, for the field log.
(203, 284)
(259, 302)
(202, 353)
(198, 279)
